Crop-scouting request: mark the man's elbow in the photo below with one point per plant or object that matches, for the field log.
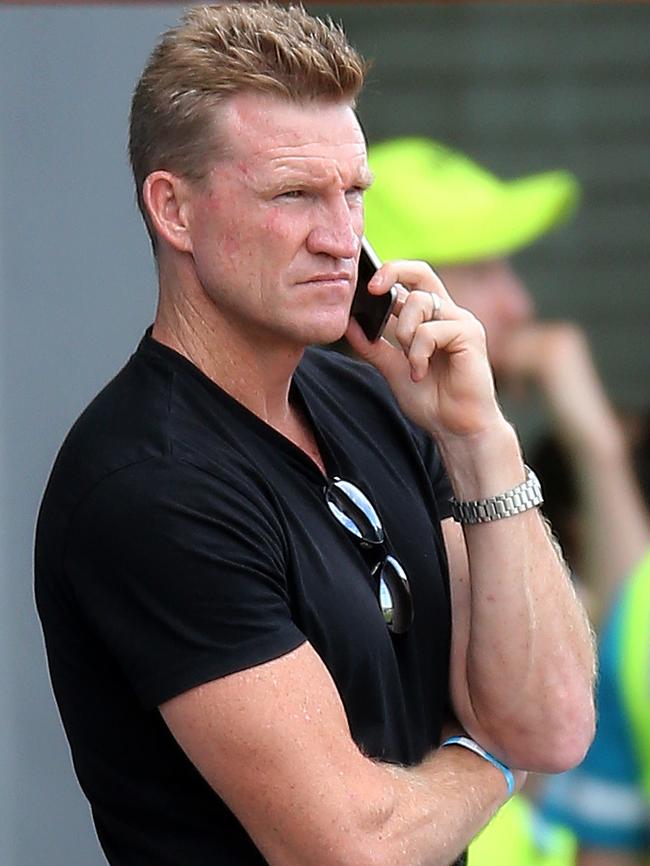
(568, 738)
(572, 746)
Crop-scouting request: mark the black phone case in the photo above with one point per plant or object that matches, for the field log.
(370, 311)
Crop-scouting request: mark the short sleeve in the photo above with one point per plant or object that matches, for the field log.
(436, 471)
(602, 800)
(182, 575)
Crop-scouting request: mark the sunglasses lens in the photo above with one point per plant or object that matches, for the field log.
(395, 596)
(386, 602)
(353, 509)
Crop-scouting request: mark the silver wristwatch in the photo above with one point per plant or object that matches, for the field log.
(525, 496)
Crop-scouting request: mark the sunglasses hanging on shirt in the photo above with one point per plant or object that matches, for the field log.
(354, 511)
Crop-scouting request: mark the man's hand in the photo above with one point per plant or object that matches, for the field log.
(434, 360)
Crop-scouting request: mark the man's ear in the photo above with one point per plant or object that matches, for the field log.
(165, 197)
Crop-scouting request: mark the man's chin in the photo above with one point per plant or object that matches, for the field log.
(326, 333)
(332, 339)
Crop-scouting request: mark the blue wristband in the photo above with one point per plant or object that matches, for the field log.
(468, 743)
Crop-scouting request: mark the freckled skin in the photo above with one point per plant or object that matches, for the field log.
(283, 208)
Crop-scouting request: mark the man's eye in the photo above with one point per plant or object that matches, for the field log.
(355, 192)
(291, 193)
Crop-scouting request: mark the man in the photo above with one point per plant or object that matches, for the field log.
(260, 618)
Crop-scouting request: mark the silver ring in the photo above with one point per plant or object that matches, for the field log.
(437, 306)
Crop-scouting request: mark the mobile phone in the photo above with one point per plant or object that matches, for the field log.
(371, 311)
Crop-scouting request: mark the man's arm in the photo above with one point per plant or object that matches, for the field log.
(522, 657)
(273, 741)
(522, 663)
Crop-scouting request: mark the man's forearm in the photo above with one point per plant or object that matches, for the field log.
(274, 743)
(523, 660)
(438, 807)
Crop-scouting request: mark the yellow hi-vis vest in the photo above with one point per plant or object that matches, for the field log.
(513, 839)
(635, 664)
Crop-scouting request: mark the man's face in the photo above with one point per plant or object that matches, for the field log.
(276, 228)
(495, 294)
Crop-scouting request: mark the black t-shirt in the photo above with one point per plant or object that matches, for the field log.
(181, 539)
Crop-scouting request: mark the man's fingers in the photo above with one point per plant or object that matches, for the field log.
(450, 336)
(413, 335)
(412, 275)
(418, 286)
(416, 308)
(430, 338)
(425, 320)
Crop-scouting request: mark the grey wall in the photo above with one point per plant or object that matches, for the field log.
(77, 288)
(521, 88)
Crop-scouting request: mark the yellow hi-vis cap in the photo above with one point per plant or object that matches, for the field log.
(432, 203)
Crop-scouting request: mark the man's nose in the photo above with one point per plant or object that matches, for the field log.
(338, 232)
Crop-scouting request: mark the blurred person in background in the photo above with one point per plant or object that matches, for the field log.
(431, 202)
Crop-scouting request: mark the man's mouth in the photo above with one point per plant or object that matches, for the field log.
(330, 277)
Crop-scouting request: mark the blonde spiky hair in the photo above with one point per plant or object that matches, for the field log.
(216, 52)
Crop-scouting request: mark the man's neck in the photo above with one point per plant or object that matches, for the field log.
(257, 372)
(258, 379)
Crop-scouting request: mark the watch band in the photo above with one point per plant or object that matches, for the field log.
(521, 498)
